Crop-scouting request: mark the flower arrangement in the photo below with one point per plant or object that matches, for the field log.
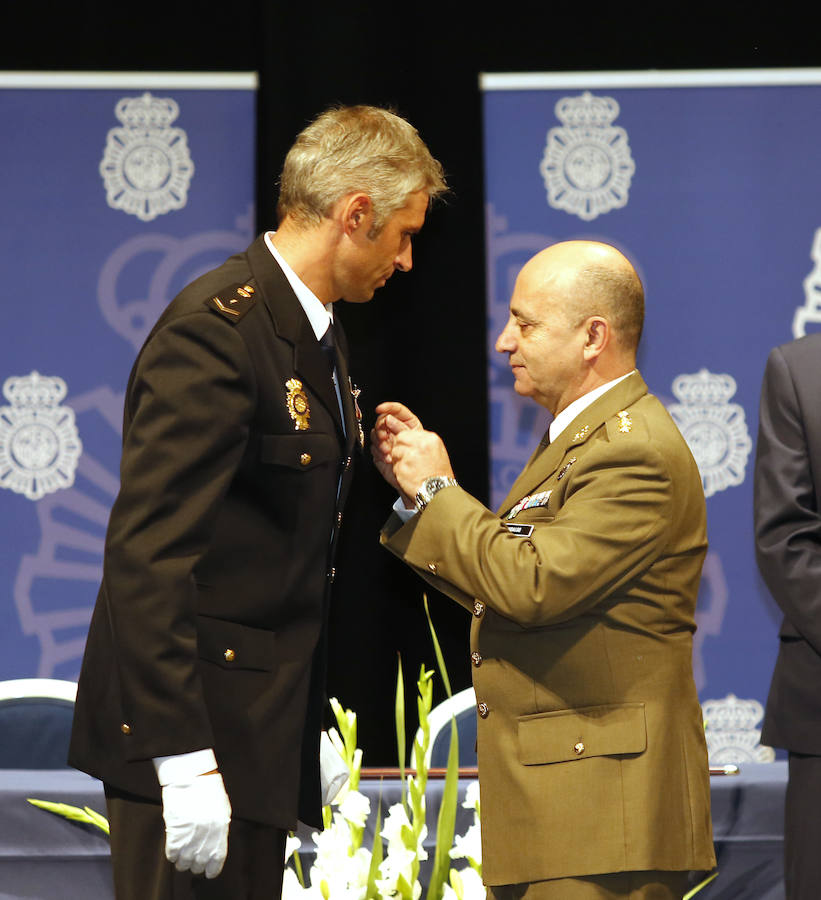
(345, 870)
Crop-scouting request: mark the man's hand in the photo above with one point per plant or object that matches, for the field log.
(197, 815)
(382, 441)
(416, 455)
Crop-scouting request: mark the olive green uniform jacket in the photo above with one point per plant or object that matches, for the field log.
(590, 742)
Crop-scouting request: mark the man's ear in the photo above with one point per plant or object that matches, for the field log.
(598, 334)
(356, 213)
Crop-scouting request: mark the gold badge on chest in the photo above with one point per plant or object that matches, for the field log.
(297, 401)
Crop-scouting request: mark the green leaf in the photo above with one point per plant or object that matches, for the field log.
(700, 886)
(97, 819)
(377, 852)
(405, 890)
(297, 864)
(73, 813)
(440, 660)
(446, 823)
(399, 713)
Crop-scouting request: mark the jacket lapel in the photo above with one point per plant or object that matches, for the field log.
(543, 464)
(291, 323)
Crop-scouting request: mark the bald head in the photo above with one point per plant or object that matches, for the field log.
(575, 321)
(587, 278)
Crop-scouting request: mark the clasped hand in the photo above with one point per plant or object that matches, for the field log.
(404, 453)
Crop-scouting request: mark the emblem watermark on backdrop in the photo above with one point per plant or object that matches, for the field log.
(587, 166)
(810, 312)
(715, 429)
(39, 443)
(146, 167)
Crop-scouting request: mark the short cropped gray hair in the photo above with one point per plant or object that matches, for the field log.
(356, 148)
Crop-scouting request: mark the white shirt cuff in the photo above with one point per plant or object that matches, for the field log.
(184, 767)
(404, 514)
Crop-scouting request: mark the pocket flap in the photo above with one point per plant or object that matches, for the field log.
(303, 450)
(235, 646)
(568, 734)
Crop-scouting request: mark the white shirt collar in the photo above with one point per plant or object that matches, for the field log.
(320, 316)
(566, 416)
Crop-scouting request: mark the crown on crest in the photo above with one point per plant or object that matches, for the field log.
(732, 714)
(147, 112)
(587, 110)
(34, 391)
(704, 388)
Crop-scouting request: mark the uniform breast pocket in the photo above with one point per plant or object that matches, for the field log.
(300, 451)
(231, 645)
(569, 734)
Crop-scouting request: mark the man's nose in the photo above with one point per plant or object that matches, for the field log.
(505, 342)
(404, 259)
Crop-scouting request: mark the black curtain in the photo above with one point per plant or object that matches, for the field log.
(422, 339)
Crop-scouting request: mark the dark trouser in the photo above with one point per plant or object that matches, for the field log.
(252, 871)
(618, 886)
(802, 828)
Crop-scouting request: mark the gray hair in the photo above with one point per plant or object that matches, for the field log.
(356, 148)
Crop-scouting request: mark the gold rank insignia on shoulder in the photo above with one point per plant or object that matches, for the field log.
(233, 302)
(582, 433)
(297, 402)
(565, 467)
(625, 422)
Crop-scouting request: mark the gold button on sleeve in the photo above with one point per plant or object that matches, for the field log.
(305, 459)
(125, 728)
(229, 655)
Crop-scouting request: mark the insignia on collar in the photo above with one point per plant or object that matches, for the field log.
(355, 392)
(233, 302)
(625, 422)
(565, 467)
(529, 502)
(582, 433)
(297, 401)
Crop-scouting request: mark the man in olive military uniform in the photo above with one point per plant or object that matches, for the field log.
(582, 590)
(201, 692)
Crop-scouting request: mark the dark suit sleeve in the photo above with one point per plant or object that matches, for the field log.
(190, 403)
(787, 520)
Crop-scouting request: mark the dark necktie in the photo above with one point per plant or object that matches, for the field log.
(328, 346)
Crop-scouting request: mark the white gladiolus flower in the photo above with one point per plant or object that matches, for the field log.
(469, 845)
(472, 886)
(355, 808)
(292, 844)
(471, 800)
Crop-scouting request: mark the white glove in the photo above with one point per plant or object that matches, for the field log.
(197, 814)
(333, 771)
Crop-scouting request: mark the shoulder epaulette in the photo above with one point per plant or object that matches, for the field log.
(234, 301)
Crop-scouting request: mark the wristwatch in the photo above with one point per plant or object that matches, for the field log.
(430, 487)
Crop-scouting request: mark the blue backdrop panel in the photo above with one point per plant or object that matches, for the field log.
(708, 182)
(116, 192)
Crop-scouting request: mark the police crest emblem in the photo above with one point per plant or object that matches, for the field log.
(810, 312)
(297, 402)
(39, 443)
(715, 429)
(146, 167)
(587, 166)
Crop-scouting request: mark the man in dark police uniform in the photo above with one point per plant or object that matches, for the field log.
(200, 696)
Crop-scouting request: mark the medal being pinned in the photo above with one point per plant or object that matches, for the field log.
(355, 392)
(297, 402)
